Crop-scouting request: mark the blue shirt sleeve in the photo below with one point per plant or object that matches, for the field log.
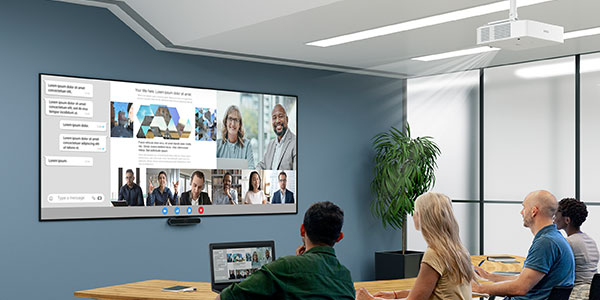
(541, 255)
(249, 155)
(140, 198)
(220, 146)
(171, 197)
(150, 200)
(121, 194)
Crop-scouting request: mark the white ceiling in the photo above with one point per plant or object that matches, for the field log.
(276, 31)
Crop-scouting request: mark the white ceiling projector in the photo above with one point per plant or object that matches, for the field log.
(514, 34)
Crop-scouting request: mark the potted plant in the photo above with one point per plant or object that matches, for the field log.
(404, 169)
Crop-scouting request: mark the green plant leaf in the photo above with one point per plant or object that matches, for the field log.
(404, 169)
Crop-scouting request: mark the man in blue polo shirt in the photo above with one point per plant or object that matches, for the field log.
(549, 262)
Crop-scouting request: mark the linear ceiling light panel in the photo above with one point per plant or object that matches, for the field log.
(546, 70)
(456, 53)
(424, 22)
(581, 33)
(558, 69)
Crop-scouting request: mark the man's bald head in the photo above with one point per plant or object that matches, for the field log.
(545, 202)
(278, 108)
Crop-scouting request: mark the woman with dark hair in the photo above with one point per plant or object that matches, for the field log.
(254, 194)
(232, 143)
(570, 215)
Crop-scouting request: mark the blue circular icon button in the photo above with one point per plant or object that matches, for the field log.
(189, 210)
(165, 211)
(176, 210)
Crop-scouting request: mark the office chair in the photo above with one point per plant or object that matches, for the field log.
(560, 292)
(595, 288)
(557, 293)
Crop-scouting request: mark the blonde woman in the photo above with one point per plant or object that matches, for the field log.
(446, 271)
(232, 143)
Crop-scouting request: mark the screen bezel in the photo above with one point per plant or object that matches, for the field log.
(40, 157)
(234, 245)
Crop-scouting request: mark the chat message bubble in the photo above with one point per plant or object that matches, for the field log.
(64, 88)
(75, 198)
(69, 108)
(69, 161)
(82, 143)
(82, 125)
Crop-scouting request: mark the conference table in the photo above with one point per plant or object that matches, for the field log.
(152, 289)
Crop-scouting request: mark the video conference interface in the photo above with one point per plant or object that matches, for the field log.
(234, 265)
(113, 149)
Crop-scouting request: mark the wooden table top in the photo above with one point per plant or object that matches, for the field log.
(405, 284)
(151, 289)
(386, 285)
(494, 266)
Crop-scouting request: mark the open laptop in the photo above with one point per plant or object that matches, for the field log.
(116, 203)
(233, 262)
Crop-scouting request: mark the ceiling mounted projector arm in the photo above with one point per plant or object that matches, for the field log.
(512, 14)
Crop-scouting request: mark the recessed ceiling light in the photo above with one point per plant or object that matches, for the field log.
(423, 22)
(546, 70)
(456, 53)
(581, 33)
(558, 69)
(431, 84)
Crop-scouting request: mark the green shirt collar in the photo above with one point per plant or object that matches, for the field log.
(321, 249)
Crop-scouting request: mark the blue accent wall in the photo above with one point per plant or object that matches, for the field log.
(338, 114)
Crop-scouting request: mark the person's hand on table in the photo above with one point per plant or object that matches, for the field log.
(476, 287)
(363, 294)
(481, 272)
(392, 294)
(385, 294)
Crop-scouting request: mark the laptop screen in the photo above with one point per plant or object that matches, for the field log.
(233, 262)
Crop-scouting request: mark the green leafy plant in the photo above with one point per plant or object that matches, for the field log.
(404, 169)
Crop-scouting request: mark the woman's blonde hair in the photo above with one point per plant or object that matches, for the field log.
(440, 230)
(236, 110)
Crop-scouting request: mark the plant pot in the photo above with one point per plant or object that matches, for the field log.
(395, 265)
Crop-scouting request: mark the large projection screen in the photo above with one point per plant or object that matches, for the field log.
(121, 149)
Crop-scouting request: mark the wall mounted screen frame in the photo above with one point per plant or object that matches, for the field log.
(98, 136)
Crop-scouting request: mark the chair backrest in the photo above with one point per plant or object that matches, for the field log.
(560, 293)
(595, 288)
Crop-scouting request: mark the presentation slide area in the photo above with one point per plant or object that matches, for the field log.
(162, 120)
(117, 149)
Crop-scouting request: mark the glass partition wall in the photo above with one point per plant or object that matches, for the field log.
(528, 145)
(535, 127)
(446, 107)
(590, 142)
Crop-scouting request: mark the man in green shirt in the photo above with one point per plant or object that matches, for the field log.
(314, 273)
